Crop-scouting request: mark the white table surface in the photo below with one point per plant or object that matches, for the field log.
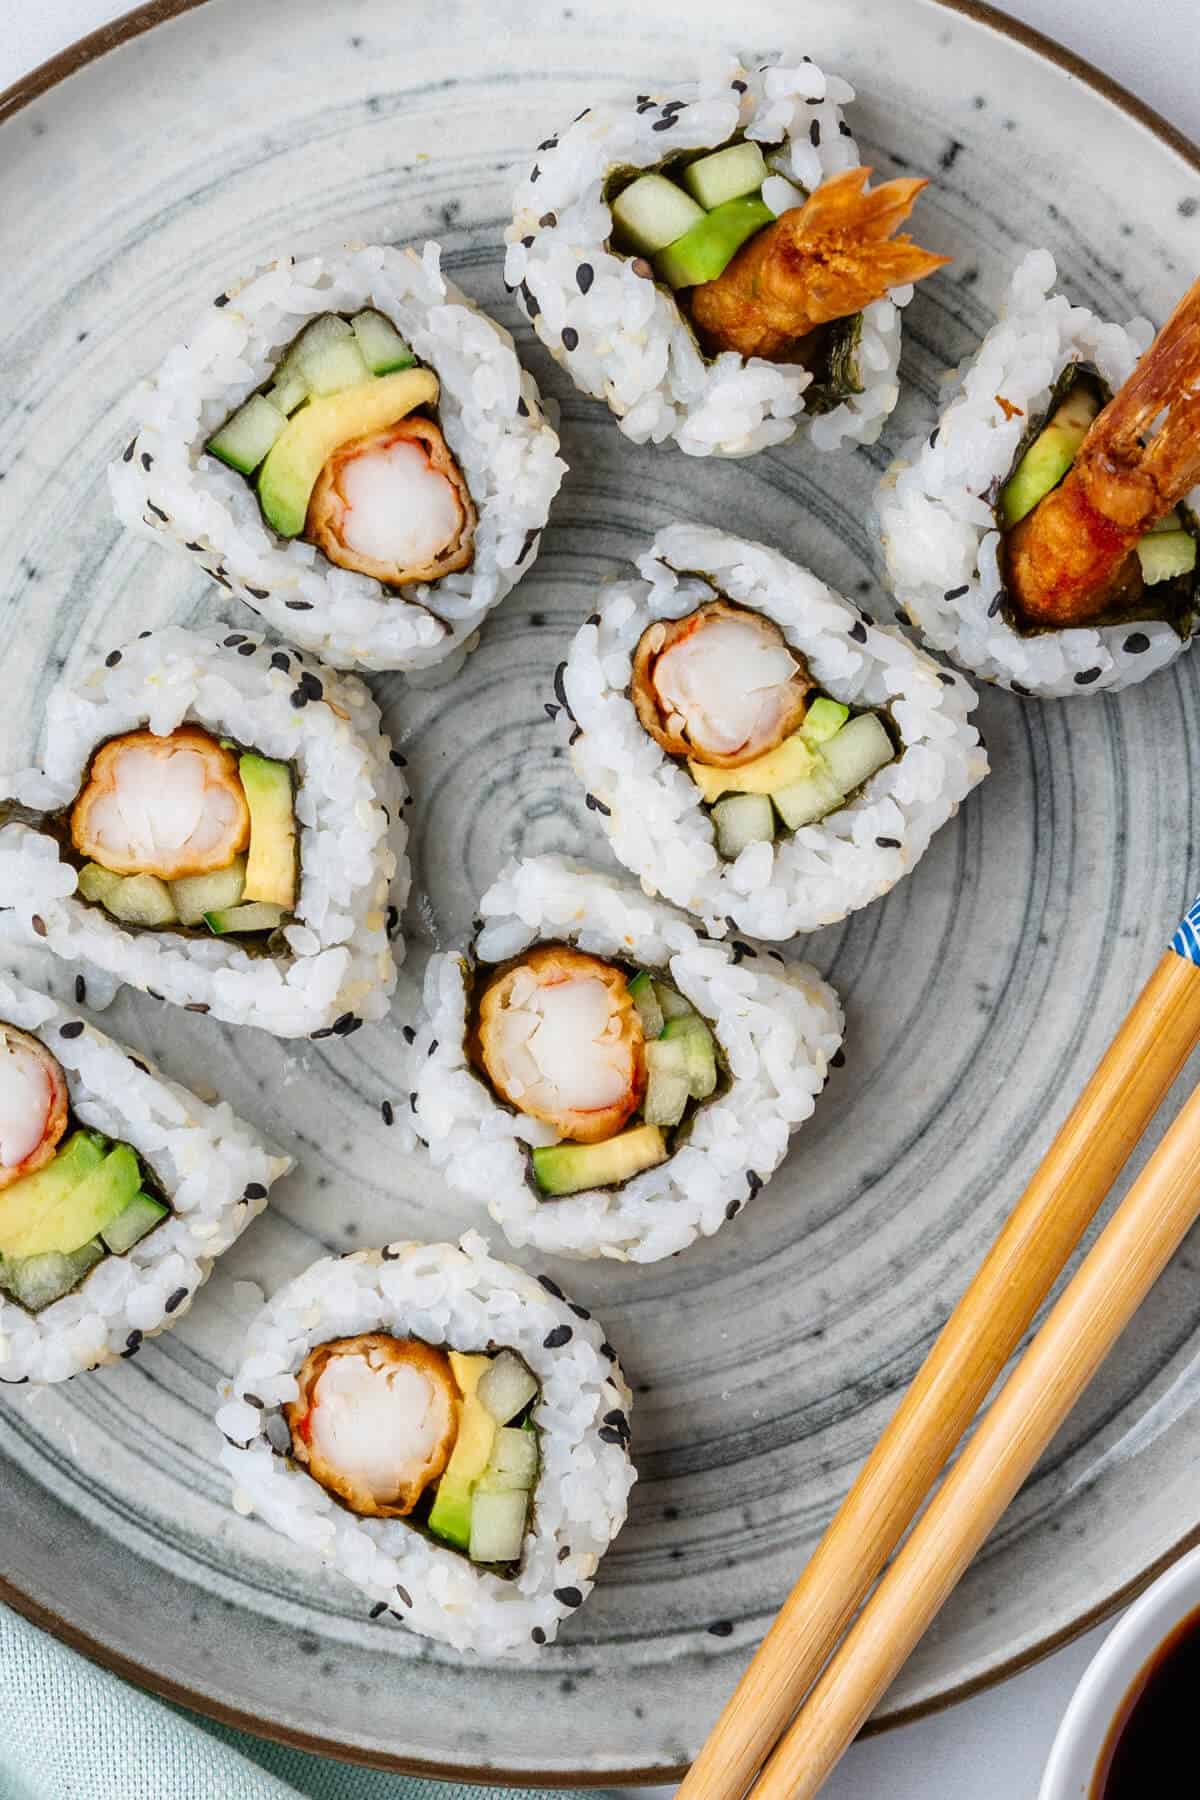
(992, 1747)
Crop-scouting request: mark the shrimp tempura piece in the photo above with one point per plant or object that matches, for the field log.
(824, 260)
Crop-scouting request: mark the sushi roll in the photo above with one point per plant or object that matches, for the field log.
(448, 1432)
(218, 822)
(711, 261)
(603, 1079)
(118, 1190)
(1045, 535)
(759, 750)
(351, 447)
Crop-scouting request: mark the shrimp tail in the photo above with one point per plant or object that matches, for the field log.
(1153, 424)
(821, 261)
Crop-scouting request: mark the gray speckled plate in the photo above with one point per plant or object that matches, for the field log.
(979, 994)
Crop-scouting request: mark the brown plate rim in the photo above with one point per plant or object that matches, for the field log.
(29, 87)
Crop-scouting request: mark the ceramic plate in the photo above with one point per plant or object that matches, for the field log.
(979, 994)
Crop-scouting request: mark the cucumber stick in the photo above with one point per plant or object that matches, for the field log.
(726, 175)
(652, 212)
(382, 347)
(245, 437)
(740, 820)
(1166, 554)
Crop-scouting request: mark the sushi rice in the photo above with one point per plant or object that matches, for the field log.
(935, 504)
(165, 486)
(622, 338)
(354, 869)
(214, 1169)
(651, 808)
(778, 1026)
(463, 1298)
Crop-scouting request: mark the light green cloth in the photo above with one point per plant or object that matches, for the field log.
(71, 1731)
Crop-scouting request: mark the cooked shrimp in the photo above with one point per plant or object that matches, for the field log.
(33, 1104)
(375, 1421)
(821, 261)
(720, 686)
(167, 806)
(394, 505)
(561, 1040)
(1073, 554)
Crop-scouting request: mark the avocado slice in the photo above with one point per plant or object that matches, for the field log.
(311, 436)
(271, 860)
(81, 1211)
(31, 1197)
(702, 252)
(569, 1168)
(450, 1514)
(130, 1226)
(789, 762)
(1050, 455)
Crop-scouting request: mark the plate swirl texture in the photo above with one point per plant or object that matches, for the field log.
(979, 994)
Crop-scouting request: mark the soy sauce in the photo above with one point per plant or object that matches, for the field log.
(1151, 1748)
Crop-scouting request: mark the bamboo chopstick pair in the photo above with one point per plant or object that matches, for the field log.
(800, 1663)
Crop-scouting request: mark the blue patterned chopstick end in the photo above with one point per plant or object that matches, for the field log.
(1186, 941)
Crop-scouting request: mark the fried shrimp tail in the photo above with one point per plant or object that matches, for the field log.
(1067, 558)
(821, 261)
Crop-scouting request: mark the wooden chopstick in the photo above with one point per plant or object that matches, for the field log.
(1111, 1283)
(1091, 1148)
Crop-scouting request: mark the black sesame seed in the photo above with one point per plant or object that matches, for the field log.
(1136, 642)
(176, 1300)
(407, 1033)
(385, 1108)
(933, 437)
(606, 1349)
(404, 1596)
(198, 548)
(838, 1060)
(888, 843)
(147, 461)
(281, 660)
(957, 593)
(551, 1287)
(945, 677)
(522, 408)
(433, 1044)
(844, 128)
(196, 1006)
(299, 698)
(527, 543)
(584, 277)
(552, 710)
(157, 511)
(554, 1340)
(234, 639)
(733, 1209)
(739, 87)
(570, 338)
(608, 1434)
(221, 300)
(298, 605)
(994, 606)
(617, 1417)
(548, 143)
(345, 1023)
(80, 990)
(1085, 677)
(721, 1628)
(254, 1190)
(594, 805)
(534, 173)
(217, 575)
(754, 1181)
(1025, 693)
(247, 649)
(547, 221)
(814, 133)
(644, 106)
(141, 634)
(538, 1635)
(259, 593)
(311, 685)
(664, 124)
(73, 1030)
(253, 1400)
(740, 949)
(674, 106)
(379, 1608)
(127, 453)
(322, 1031)
(139, 1064)
(133, 1340)
(393, 922)
(858, 632)
(560, 692)
(581, 1312)
(568, 1596)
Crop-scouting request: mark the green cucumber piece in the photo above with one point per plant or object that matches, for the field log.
(247, 435)
(742, 819)
(823, 718)
(806, 801)
(196, 895)
(513, 1464)
(498, 1525)
(133, 899)
(506, 1387)
(256, 915)
(726, 175)
(95, 882)
(288, 390)
(37, 1281)
(652, 212)
(700, 1050)
(383, 349)
(668, 1085)
(328, 357)
(702, 252)
(141, 1215)
(672, 1002)
(1166, 554)
(857, 752)
(644, 996)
